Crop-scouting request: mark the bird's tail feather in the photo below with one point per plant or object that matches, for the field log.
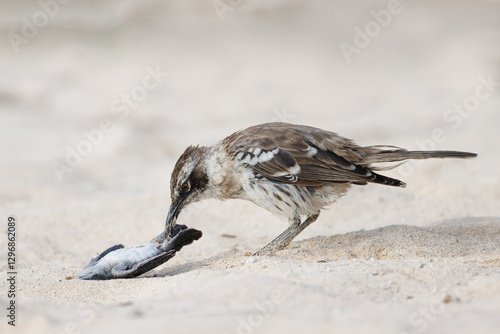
(384, 154)
(375, 155)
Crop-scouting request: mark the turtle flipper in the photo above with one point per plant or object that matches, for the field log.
(123, 269)
(181, 239)
(103, 254)
(160, 238)
(139, 259)
(183, 236)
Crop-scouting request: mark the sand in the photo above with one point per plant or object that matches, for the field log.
(424, 259)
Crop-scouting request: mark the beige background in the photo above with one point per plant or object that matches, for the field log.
(421, 259)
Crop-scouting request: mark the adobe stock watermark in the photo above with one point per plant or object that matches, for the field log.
(86, 315)
(453, 118)
(462, 111)
(446, 294)
(121, 107)
(262, 310)
(222, 7)
(282, 115)
(39, 20)
(425, 316)
(372, 29)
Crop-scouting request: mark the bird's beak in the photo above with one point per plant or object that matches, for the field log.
(173, 212)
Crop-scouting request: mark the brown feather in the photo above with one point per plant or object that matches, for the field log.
(323, 156)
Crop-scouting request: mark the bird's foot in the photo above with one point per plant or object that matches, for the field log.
(285, 238)
(277, 244)
(267, 250)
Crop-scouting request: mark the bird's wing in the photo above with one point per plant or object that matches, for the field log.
(301, 155)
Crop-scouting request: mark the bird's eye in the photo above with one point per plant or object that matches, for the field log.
(185, 187)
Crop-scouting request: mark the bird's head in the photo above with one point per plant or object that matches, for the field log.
(187, 184)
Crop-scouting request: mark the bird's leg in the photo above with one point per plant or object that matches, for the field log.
(288, 235)
(295, 222)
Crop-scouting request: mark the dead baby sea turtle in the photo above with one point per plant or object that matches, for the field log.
(121, 262)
